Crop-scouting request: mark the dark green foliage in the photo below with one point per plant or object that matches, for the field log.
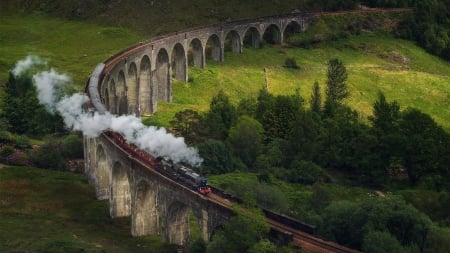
(22, 141)
(305, 172)
(350, 223)
(188, 124)
(73, 146)
(221, 116)
(217, 157)
(49, 156)
(277, 113)
(247, 106)
(430, 25)
(24, 113)
(381, 242)
(240, 234)
(6, 151)
(336, 90)
(315, 102)
(385, 115)
(291, 63)
(424, 144)
(246, 139)
(197, 246)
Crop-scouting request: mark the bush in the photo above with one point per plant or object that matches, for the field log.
(6, 151)
(305, 172)
(291, 63)
(73, 147)
(49, 156)
(22, 141)
(5, 136)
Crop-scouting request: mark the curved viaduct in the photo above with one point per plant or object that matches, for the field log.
(135, 79)
(132, 82)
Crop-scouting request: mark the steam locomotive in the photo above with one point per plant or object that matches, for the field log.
(183, 175)
(164, 165)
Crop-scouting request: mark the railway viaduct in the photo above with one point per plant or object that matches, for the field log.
(132, 82)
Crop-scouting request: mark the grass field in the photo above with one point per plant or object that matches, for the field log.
(50, 211)
(71, 47)
(375, 62)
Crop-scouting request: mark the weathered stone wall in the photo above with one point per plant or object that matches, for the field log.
(156, 204)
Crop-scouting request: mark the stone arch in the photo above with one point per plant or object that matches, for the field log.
(179, 63)
(120, 199)
(233, 42)
(112, 96)
(102, 174)
(177, 223)
(144, 220)
(252, 38)
(121, 93)
(272, 34)
(292, 28)
(195, 54)
(213, 48)
(105, 96)
(133, 89)
(161, 88)
(144, 98)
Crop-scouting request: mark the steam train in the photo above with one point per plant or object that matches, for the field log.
(164, 165)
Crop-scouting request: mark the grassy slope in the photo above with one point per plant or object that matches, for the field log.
(375, 63)
(154, 17)
(72, 47)
(49, 211)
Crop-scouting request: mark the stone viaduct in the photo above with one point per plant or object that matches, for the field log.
(132, 82)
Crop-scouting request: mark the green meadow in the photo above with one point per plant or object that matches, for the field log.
(375, 62)
(74, 48)
(50, 211)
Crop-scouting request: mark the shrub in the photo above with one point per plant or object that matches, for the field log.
(306, 172)
(49, 156)
(291, 63)
(6, 151)
(73, 147)
(22, 141)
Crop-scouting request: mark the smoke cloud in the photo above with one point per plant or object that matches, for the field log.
(157, 141)
(27, 63)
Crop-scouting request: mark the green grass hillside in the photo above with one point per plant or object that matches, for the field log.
(153, 17)
(375, 62)
(50, 211)
(71, 47)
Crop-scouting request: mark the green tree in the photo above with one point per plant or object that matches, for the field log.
(240, 233)
(316, 99)
(49, 155)
(217, 157)
(336, 90)
(188, 124)
(385, 116)
(24, 113)
(277, 119)
(221, 115)
(263, 246)
(423, 143)
(381, 242)
(246, 139)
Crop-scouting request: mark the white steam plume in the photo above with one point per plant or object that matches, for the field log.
(154, 140)
(25, 64)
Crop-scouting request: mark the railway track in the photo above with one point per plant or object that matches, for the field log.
(305, 241)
